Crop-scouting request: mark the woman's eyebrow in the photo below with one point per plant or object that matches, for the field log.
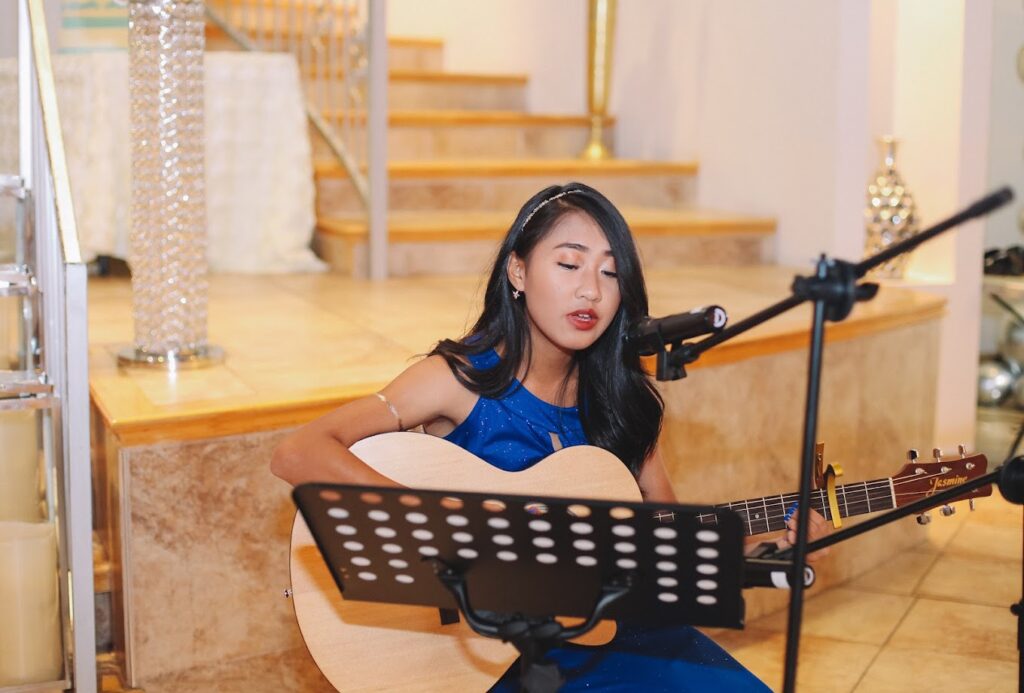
(579, 246)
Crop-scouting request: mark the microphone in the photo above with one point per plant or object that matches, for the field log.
(650, 335)
(765, 572)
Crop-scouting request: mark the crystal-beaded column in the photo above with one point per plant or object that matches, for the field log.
(168, 236)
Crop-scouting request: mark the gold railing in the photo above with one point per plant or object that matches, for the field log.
(600, 42)
(341, 50)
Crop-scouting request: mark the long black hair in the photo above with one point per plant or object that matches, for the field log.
(619, 407)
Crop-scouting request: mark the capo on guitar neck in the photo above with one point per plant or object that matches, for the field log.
(825, 477)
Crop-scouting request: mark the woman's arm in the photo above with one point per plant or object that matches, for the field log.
(319, 451)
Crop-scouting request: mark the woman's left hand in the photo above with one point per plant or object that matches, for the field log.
(819, 527)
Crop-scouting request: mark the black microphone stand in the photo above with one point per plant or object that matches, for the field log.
(834, 290)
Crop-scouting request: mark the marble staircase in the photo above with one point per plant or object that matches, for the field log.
(465, 152)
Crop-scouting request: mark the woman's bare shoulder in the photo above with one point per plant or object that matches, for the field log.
(428, 390)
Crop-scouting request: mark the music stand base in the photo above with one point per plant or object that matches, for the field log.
(532, 637)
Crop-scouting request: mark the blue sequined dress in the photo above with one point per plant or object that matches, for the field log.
(518, 430)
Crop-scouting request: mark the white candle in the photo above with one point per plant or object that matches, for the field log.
(30, 632)
(19, 467)
(9, 331)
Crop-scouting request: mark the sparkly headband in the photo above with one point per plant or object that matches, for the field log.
(550, 199)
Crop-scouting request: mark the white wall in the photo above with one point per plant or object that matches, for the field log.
(1006, 135)
(926, 116)
(545, 40)
(782, 120)
(658, 61)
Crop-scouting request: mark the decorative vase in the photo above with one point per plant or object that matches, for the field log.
(890, 214)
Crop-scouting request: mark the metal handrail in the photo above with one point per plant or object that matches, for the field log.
(52, 134)
(53, 376)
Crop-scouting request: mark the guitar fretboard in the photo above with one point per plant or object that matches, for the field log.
(767, 514)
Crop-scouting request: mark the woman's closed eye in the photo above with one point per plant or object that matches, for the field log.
(568, 266)
(610, 273)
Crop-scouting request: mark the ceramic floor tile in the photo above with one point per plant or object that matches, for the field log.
(971, 629)
(900, 575)
(900, 670)
(995, 510)
(978, 580)
(824, 665)
(992, 541)
(941, 530)
(845, 614)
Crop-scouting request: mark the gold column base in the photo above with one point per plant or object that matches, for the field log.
(596, 150)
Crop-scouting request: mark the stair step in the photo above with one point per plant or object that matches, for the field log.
(467, 134)
(423, 90)
(404, 52)
(460, 225)
(458, 242)
(456, 168)
(489, 184)
(433, 77)
(436, 118)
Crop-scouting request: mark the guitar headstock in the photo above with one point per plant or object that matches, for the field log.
(917, 479)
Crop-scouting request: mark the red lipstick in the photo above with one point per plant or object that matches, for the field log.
(583, 319)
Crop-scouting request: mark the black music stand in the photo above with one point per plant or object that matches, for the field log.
(510, 563)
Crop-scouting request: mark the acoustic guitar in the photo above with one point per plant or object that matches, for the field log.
(364, 646)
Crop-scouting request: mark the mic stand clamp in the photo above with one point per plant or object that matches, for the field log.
(672, 361)
(532, 636)
(836, 284)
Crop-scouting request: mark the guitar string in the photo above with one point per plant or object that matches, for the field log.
(853, 487)
(864, 490)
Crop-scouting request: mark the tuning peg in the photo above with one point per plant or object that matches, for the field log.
(970, 504)
(924, 518)
(962, 449)
(911, 455)
(937, 454)
(947, 510)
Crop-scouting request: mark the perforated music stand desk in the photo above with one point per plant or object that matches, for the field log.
(510, 563)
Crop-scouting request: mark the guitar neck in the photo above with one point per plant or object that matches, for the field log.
(767, 514)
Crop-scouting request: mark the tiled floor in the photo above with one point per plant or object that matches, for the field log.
(934, 618)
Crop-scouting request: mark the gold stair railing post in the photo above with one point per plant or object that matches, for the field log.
(600, 40)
